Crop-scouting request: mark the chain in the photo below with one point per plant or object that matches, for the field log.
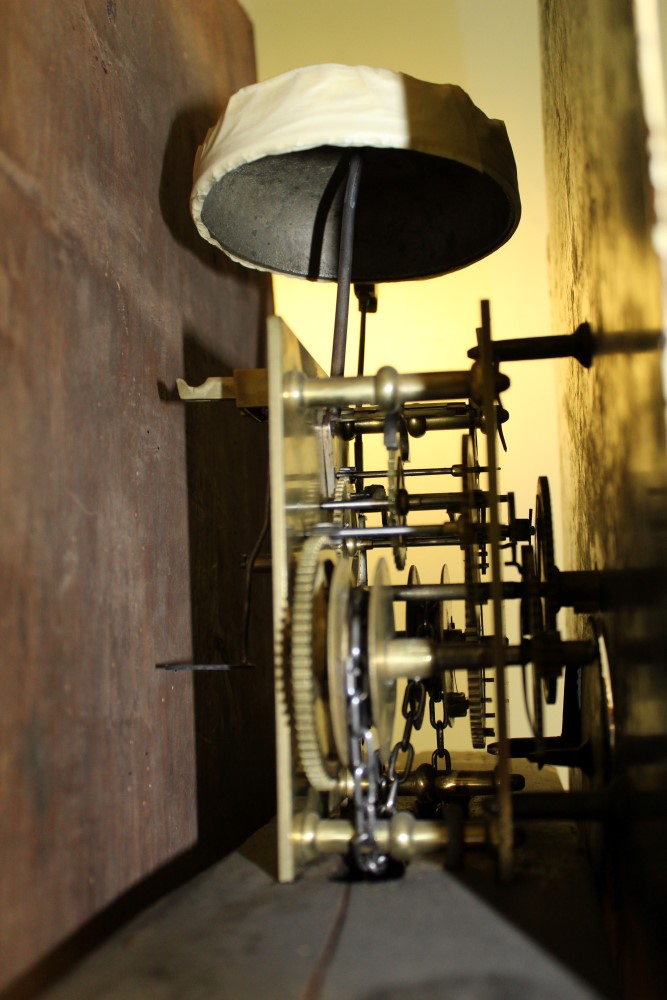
(414, 703)
(437, 697)
(364, 760)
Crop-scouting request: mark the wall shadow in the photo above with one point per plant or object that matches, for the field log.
(227, 475)
(187, 132)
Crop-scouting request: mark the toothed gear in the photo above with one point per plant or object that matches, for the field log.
(476, 708)
(395, 483)
(534, 615)
(545, 567)
(347, 518)
(444, 628)
(393, 460)
(471, 549)
(341, 517)
(546, 572)
(308, 696)
(476, 678)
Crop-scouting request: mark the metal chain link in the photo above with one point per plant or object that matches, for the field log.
(414, 704)
(437, 697)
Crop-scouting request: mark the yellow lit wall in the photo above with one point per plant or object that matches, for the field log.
(490, 48)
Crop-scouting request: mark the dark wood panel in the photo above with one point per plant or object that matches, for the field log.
(106, 291)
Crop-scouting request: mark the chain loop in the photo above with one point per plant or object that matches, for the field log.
(414, 704)
(437, 697)
(400, 776)
(438, 755)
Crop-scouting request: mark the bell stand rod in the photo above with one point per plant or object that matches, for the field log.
(367, 299)
(345, 265)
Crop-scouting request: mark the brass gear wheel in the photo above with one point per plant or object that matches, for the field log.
(309, 683)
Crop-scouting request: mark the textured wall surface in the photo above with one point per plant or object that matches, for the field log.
(604, 271)
(121, 538)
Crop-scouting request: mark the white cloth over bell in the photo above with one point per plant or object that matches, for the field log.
(438, 185)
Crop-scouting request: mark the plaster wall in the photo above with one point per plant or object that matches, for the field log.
(604, 270)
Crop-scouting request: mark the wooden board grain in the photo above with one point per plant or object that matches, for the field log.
(107, 294)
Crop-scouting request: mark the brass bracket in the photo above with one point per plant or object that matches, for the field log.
(248, 387)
